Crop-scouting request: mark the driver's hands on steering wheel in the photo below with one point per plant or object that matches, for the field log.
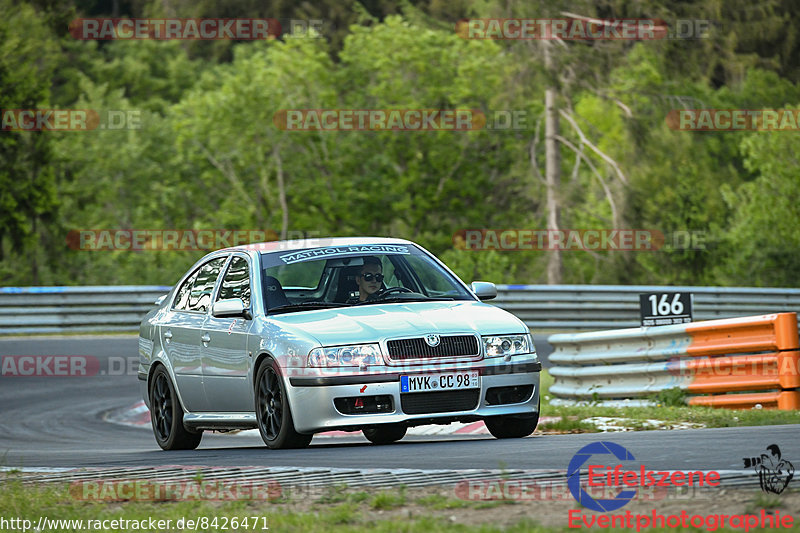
(385, 292)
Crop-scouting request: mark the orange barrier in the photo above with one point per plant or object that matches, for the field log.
(776, 332)
(786, 400)
(734, 363)
(742, 368)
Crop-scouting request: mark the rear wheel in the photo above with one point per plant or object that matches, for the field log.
(272, 410)
(166, 415)
(385, 434)
(512, 426)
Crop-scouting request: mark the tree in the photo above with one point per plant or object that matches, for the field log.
(763, 244)
(28, 54)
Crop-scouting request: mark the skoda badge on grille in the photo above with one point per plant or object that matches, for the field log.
(432, 340)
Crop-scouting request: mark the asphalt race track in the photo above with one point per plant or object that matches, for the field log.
(58, 422)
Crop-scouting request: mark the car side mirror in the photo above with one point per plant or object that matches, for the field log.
(230, 308)
(160, 299)
(484, 290)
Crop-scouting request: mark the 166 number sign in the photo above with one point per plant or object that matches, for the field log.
(665, 308)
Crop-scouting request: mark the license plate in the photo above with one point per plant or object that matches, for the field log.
(436, 382)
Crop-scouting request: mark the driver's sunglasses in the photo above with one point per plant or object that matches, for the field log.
(370, 277)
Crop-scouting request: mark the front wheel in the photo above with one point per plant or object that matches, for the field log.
(385, 434)
(513, 426)
(272, 410)
(166, 415)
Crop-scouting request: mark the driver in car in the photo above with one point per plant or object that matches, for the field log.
(369, 279)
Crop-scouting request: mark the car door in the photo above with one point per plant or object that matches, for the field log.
(182, 330)
(224, 354)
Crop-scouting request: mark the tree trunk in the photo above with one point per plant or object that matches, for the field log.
(282, 195)
(552, 172)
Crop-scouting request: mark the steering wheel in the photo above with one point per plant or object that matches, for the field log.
(392, 290)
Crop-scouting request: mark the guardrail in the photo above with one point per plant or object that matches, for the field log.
(548, 307)
(65, 309)
(595, 307)
(740, 362)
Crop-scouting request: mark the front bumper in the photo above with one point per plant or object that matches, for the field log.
(312, 397)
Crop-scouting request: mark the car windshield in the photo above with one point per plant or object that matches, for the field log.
(337, 276)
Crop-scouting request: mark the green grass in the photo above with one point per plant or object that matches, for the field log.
(568, 424)
(670, 409)
(389, 500)
(768, 502)
(357, 512)
(437, 501)
(335, 494)
(55, 502)
(346, 513)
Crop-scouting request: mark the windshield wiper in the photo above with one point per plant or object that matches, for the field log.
(410, 298)
(305, 306)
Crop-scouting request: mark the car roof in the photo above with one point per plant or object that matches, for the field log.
(315, 242)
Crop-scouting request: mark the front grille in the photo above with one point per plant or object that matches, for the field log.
(504, 395)
(417, 348)
(419, 403)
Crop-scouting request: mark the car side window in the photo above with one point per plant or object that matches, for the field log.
(182, 300)
(236, 283)
(200, 295)
(195, 293)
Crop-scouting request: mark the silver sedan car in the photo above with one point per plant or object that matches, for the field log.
(354, 334)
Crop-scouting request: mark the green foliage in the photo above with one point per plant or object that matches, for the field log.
(209, 153)
(674, 397)
(763, 243)
(28, 197)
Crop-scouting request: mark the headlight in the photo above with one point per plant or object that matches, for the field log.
(358, 355)
(500, 345)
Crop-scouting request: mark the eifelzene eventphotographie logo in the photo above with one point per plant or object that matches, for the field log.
(774, 472)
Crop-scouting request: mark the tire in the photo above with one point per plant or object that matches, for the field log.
(385, 433)
(512, 426)
(166, 415)
(273, 414)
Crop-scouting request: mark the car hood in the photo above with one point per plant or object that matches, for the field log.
(370, 323)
